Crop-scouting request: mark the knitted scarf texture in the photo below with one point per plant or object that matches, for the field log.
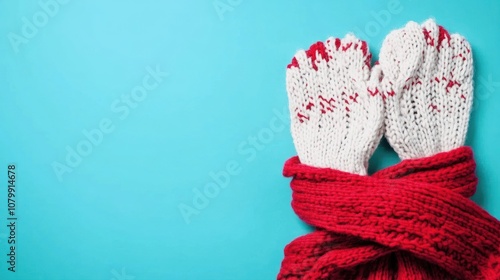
(413, 220)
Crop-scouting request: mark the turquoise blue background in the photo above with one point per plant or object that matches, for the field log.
(117, 214)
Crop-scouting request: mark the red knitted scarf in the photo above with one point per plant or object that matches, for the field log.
(413, 220)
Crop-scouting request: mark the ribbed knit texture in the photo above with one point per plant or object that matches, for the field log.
(427, 87)
(410, 221)
(335, 105)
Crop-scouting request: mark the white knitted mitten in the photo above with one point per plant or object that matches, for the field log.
(427, 87)
(335, 106)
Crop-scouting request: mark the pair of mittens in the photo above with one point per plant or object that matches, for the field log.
(420, 92)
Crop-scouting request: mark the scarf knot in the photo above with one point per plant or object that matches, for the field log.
(413, 220)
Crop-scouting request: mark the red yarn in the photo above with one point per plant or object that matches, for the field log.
(413, 220)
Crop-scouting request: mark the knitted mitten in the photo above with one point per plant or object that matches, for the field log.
(427, 88)
(336, 109)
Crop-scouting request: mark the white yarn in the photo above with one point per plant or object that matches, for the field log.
(335, 121)
(428, 89)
